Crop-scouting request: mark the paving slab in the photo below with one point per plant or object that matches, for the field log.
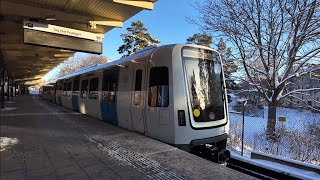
(56, 143)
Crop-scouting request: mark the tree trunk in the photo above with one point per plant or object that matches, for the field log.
(272, 119)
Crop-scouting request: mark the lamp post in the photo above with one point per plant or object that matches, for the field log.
(242, 135)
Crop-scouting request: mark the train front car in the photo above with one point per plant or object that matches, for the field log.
(201, 110)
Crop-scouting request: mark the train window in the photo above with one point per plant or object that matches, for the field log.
(75, 88)
(138, 82)
(93, 89)
(84, 88)
(205, 85)
(59, 85)
(110, 84)
(159, 87)
(76, 83)
(69, 84)
(65, 86)
(137, 87)
(105, 86)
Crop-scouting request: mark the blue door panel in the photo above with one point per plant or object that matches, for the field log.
(75, 103)
(109, 112)
(59, 100)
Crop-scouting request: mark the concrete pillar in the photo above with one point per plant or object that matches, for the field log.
(15, 90)
(11, 91)
(8, 88)
(19, 90)
(2, 88)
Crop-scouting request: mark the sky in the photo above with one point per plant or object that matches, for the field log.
(166, 22)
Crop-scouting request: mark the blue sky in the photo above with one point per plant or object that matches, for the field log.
(166, 22)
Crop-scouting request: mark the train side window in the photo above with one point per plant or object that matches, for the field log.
(59, 84)
(75, 88)
(137, 87)
(113, 88)
(105, 86)
(69, 88)
(93, 88)
(84, 88)
(65, 87)
(110, 84)
(59, 88)
(159, 87)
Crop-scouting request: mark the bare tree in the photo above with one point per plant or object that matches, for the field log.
(275, 40)
(76, 63)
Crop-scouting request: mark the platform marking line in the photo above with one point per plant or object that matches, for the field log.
(163, 151)
(147, 166)
(150, 167)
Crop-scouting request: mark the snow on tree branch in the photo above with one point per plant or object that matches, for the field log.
(298, 91)
(276, 40)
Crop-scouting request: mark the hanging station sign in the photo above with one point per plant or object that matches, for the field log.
(63, 31)
(62, 38)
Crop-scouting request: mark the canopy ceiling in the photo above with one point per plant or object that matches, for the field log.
(27, 63)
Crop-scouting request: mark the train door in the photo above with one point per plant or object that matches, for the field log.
(157, 107)
(138, 97)
(75, 94)
(108, 103)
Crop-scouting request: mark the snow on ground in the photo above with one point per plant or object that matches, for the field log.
(296, 136)
(7, 142)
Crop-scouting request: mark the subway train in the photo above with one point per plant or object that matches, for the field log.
(172, 93)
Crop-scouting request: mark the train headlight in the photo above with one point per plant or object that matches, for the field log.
(181, 118)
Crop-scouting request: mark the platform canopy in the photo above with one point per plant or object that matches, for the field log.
(28, 63)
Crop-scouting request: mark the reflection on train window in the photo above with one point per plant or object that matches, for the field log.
(205, 86)
(59, 85)
(159, 87)
(65, 86)
(110, 84)
(84, 88)
(69, 84)
(75, 88)
(137, 87)
(93, 89)
(59, 88)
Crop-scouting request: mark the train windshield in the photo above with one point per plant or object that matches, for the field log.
(205, 84)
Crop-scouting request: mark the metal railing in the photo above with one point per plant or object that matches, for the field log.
(296, 132)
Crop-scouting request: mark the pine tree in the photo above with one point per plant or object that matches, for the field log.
(136, 39)
(228, 64)
(200, 39)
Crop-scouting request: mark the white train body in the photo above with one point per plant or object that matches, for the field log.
(172, 93)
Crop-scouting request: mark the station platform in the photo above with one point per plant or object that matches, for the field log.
(51, 142)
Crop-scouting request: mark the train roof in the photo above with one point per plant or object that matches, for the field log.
(138, 55)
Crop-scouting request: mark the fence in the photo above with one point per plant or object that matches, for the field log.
(296, 135)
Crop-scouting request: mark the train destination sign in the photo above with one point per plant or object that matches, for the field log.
(63, 31)
(61, 41)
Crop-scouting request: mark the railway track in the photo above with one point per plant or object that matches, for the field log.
(257, 171)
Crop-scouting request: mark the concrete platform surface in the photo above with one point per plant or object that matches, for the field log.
(41, 140)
